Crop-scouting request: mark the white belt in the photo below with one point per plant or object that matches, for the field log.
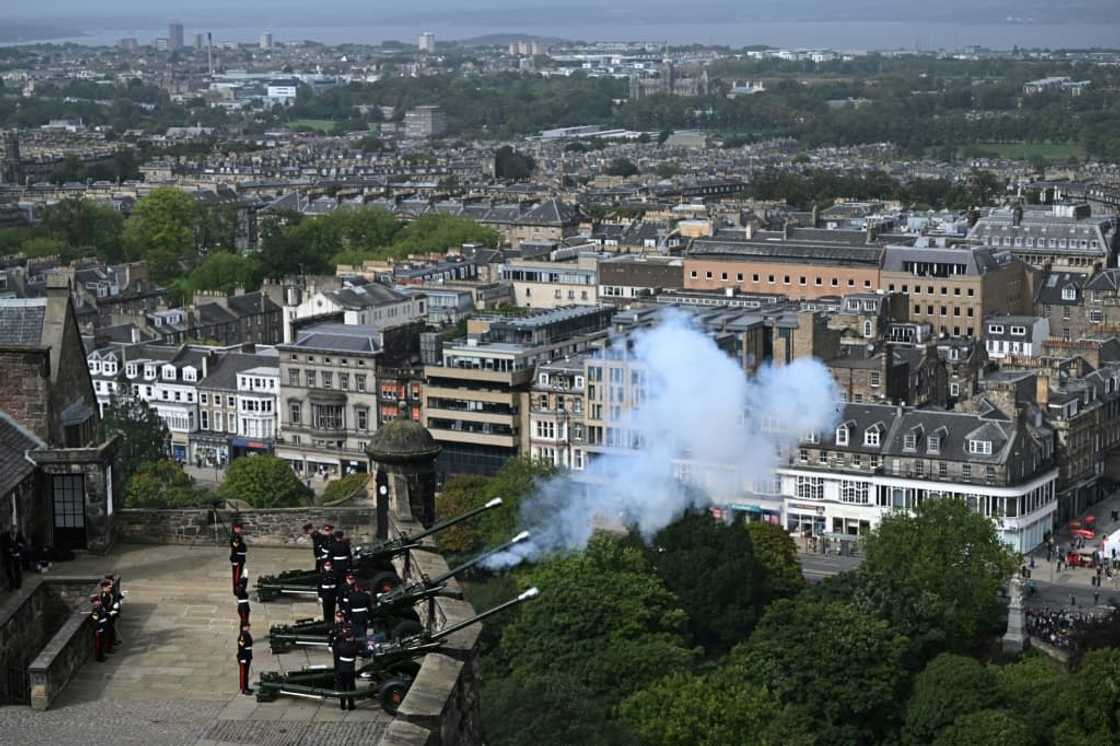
(242, 601)
(352, 611)
(326, 587)
(247, 647)
(347, 660)
(339, 559)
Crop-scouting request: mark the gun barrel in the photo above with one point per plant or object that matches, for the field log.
(455, 519)
(447, 631)
(480, 558)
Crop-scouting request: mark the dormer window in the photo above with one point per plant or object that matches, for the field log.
(130, 371)
(812, 438)
(1069, 293)
(980, 447)
(149, 372)
(871, 437)
(933, 444)
(995, 329)
(842, 435)
(910, 441)
(1019, 331)
(169, 372)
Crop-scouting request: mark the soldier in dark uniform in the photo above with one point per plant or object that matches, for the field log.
(244, 657)
(359, 611)
(326, 536)
(340, 553)
(11, 555)
(109, 608)
(100, 631)
(344, 591)
(328, 590)
(243, 600)
(238, 553)
(114, 584)
(316, 545)
(345, 654)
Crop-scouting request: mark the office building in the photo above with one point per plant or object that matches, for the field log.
(175, 37)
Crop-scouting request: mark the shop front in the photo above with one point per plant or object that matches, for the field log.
(246, 446)
(209, 451)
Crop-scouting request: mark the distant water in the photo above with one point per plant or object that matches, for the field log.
(855, 35)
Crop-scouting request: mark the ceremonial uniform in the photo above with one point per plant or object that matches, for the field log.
(328, 592)
(11, 555)
(243, 602)
(100, 632)
(340, 554)
(244, 659)
(238, 554)
(317, 550)
(359, 611)
(346, 653)
(109, 608)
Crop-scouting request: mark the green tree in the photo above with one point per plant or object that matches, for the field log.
(339, 489)
(460, 494)
(86, 226)
(225, 271)
(949, 687)
(514, 482)
(986, 728)
(775, 554)
(844, 664)
(1028, 686)
(264, 482)
(603, 617)
(936, 574)
(142, 436)
(622, 167)
(1090, 700)
(686, 709)
(163, 230)
(722, 607)
(163, 484)
(667, 170)
(434, 232)
(556, 708)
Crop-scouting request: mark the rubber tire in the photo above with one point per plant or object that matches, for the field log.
(384, 581)
(391, 694)
(406, 628)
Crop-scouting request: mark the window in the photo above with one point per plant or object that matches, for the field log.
(326, 417)
(344, 381)
(1019, 331)
(204, 419)
(203, 398)
(867, 328)
(855, 492)
(810, 488)
(311, 379)
(361, 418)
(876, 379)
(981, 447)
(295, 413)
(966, 471)
(1069, 293)
(871, 437)
(842, 435)
(360, 382)
(328, 379)
(909, 441)
(933, 444)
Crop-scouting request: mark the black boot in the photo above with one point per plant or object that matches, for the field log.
(246, 691)
(341, 704)
(351, 707)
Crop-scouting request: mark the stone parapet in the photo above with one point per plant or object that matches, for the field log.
(274, 527)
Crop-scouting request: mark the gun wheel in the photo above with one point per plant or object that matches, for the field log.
(391, 694)
(407, 628)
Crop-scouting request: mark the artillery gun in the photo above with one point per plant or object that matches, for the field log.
(391, 612)
(373, 565)
(389, 671)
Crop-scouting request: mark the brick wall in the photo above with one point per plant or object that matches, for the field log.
(24, 388)
(280, 527)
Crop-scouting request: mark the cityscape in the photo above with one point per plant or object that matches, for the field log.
(656, 391)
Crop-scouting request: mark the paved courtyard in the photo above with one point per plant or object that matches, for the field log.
(174, 680)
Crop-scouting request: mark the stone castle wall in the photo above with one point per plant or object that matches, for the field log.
(278, 527)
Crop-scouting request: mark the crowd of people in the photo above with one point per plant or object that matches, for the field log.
(1059, 627)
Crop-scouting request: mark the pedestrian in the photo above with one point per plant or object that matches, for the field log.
(328, 590)
(244, 657)
(12, 545)
(238, 554)
(100, 632)
(346, 653)
(110, 608)
(359, 611)
(243, 601)
(1061, 562)
(1096, 598)
(1072, 600)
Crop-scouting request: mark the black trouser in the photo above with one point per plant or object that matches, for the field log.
(13, 571)
(344, 682)
(328, 609)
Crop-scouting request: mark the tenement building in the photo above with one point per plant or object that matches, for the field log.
(883, 458)
(1064, 236)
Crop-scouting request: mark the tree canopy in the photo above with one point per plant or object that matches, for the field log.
(264, 482)
(142, 436)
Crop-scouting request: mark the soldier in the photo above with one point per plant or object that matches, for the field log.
(344, 591)
(110, 607)
(316, 545)
(244, 657)
(340, 553)
(336, 630)
(243, 600)
(11, 555)
(100, 620)
(345, 653)
(359, 611)
(237, 556)
(328, 590)
(325, 538)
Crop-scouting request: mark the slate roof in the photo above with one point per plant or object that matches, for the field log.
(1107, 280)
(799, 252)
(333, 337)
(21, 320)
(15, 441)
(977, 261)
(365, 296)
(1053, 283)
(222, 372)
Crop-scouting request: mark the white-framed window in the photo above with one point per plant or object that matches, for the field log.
(909, 441)
(871, 437)
(980, 447)
(842, 435)
(810, 488)
(933, 444)
(1069, 293)
(954, 389)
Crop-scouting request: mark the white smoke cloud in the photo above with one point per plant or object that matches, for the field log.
(702, 413)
